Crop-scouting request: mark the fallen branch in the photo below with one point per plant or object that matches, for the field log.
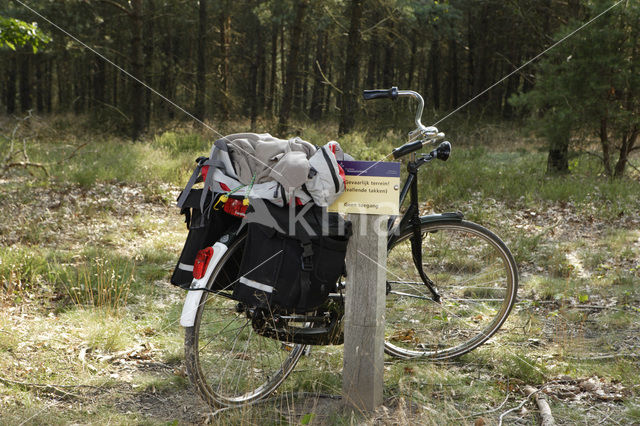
(45, 387)
(524, 401)
(211, 416)
(26, 165)
(73, 154)
(493, 410)
(10, 161)
(602, 357)
(543, 405)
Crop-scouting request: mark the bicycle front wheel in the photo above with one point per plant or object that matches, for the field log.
(228, 361)
(476, 276)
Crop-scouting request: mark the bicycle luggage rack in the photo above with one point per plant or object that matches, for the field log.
(325, 329)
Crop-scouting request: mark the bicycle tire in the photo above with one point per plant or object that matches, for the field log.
(476, 276)
(227, 361)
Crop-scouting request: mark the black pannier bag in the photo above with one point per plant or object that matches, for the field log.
(204, 231)
(291, 268)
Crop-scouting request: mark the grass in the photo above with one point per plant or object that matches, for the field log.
(101, 285)
(86, 255)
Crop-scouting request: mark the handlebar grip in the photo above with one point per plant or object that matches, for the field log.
(406, 149)
(380, 94)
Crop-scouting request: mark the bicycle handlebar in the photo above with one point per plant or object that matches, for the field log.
(407, 149)
(410, 147)
(380, 94)
(427, 134)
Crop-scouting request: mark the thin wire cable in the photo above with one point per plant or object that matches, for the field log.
(506, 76)
(526, 63)
(127, 73)
(119, 68)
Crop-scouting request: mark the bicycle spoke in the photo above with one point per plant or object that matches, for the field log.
(231, 362)
(475, 284)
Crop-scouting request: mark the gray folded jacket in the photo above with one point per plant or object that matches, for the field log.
(269, 158)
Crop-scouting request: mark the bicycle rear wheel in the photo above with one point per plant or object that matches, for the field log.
(230, 363)
(476, 276)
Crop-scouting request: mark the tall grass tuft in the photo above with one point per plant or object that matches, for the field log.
(105, 284)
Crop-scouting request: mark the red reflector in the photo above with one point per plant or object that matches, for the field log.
(235, 207)
(342, 174)
(202, 261)
(205, 170)
(224, 187)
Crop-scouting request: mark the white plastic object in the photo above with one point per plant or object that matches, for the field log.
(192, 301)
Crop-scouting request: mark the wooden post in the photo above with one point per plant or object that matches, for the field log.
(363, 365)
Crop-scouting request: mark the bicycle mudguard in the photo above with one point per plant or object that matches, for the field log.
(432, 218)
(442, 217)
(193, 296)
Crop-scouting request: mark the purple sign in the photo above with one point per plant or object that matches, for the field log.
(370, 168)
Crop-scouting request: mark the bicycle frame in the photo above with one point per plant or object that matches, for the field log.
(330, 329)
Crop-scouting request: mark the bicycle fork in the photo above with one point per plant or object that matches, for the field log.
(416, 253)
(416, 238)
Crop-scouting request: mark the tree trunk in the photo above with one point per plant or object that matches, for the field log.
(48, 85)
(327, 93)
(253, 74)
(115, 88)
(292, 65)
(510, 88)
(98, 84)
(283, 58)
(201, 82)
(317, 94)
(10, 91)
(388, 67)
(372, 62)
(454, 76)
(412, 59)
(558, 158)
(76, 102)
(137, 62)
(225, 46)
(604, 143)
(253, 97)
(349, 103)
(434, 66)
(274, 67)
(166, 80)
(628, 141)
(471, 43)
(25, 82)
(39, 84)
(481, 61)
(304, 93)
(149, 47)
(262, 71)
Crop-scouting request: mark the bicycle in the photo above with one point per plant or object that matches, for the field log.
(235, 356)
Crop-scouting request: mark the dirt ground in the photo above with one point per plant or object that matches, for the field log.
(577, 321)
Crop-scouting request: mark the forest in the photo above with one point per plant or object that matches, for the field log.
(104, 105)
(308, 60)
